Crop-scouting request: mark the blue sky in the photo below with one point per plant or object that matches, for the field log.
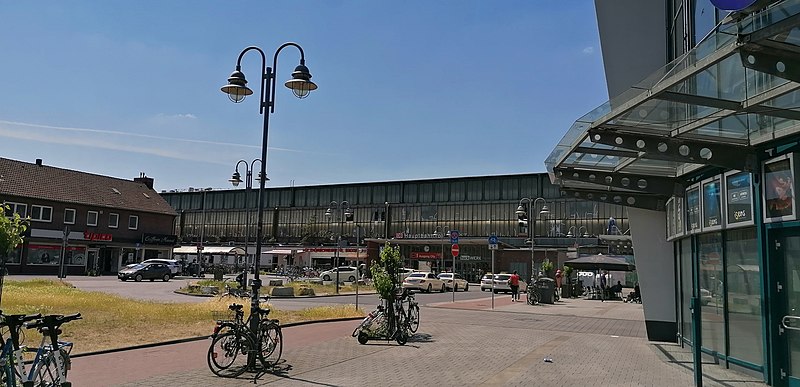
(407, 90)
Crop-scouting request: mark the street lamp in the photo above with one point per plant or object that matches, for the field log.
(577, 234)
(440, 232)
(531, 203)
(235, 180)
(237, 90)
(343, 209)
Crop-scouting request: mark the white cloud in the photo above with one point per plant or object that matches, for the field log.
(188, 116)
(588, 50)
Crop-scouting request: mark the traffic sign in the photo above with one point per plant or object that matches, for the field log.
(454, 237)
(493, 240)
(454, 249)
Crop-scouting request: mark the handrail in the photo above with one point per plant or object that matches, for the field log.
(788, 318)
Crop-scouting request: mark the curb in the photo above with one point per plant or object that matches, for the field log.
(198, 338)
(314, 296)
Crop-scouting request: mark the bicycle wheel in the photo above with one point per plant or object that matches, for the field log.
(271, 343)
(228, 353)
(413, 318)
(51, 371)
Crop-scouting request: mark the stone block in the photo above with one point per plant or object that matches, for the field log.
(303, 291)
(277, 282)
(281, 291)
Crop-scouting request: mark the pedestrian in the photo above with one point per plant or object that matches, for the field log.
(513, 282)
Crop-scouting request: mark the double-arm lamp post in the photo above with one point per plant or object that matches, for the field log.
(343, 210)
(235, 180)
(440, 231)
(577, 235)
(531, 204)
(237, 90)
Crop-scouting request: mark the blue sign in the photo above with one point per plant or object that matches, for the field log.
(454, 237)
(733, 5)
(493, 240)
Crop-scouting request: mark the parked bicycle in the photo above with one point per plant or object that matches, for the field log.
(411, 311)
(234, 347)
(533, 295)
(12, 366)
(385, 324)
(50, 366)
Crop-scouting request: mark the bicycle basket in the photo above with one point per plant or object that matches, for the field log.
(223, 315)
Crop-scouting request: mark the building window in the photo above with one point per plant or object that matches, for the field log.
(69, 216)
(91, 218)
(41, 213)
(17, 208)
(744, 295)
(133, 222)
(113, 220)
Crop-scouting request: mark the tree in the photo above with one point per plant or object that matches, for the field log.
(11, 230)
(384, 271)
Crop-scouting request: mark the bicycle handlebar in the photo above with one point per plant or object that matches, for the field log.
(53, 320)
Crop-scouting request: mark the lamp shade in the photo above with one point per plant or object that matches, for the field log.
(235, 179)
(544, 210)
(520, 210)
(237, 89)
(300, 83)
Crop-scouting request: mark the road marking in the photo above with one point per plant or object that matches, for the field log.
(524, 363)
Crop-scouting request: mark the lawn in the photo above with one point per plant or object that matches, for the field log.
(112, 321)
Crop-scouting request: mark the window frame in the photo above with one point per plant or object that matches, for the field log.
(89, 217)
(116, 224)
(130, 218)
(41, 211)
(15, 205)
(74, 215)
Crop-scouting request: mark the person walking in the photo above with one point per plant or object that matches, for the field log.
(513, 282)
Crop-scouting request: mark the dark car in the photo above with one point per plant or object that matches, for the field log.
(152, 271)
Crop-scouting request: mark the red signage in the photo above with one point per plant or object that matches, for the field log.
(421, 255)
(95, 236)
(454, 249)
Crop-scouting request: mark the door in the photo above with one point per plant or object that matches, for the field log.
(93, 261)
(786, 244)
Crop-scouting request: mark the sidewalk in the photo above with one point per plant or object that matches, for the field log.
(458, 344)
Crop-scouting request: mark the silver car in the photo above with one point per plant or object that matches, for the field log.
(460, 282)
(502, 284)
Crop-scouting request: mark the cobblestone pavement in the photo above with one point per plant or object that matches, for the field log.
(463, 347)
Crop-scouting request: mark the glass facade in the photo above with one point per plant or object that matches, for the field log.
(744, 296)
(476, 206)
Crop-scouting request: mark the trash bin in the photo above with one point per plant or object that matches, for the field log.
(546, 287)
(218, 272)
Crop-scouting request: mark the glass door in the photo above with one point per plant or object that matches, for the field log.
(786, 245)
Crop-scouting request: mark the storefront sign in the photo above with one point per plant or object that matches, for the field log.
(470, 258)
(738, 199)
(421, 255)
(712, 205)
(408, 235)
(733, 5)
(159, 239)
(96, 236)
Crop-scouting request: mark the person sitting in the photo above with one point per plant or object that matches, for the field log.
(616, 290)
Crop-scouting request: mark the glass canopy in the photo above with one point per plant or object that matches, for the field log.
(736, 90)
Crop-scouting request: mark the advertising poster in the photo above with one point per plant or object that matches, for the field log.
(712, 207)
(693, 209)
(671, 218)
(778, 189)
(738, 200)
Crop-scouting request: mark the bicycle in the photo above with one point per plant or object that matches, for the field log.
(533, 295)
(11, 360)
(232, 340)
(381, 325)
(411, 315)
(50, 366)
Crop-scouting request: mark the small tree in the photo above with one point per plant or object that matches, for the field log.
(11, 230)
(547, 268)
(384, 271)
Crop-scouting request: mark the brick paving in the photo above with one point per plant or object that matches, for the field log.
(466, 346)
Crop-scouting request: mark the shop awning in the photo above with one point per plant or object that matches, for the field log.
(215, 250)
(733, 94)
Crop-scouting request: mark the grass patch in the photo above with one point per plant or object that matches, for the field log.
(111, 321)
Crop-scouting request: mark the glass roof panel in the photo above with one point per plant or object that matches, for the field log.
(772, 15)
(661, 116)
(652, 167)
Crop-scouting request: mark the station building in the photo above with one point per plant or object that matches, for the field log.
(416, 215)
(700, 140)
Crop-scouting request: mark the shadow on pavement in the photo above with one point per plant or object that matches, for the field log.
(421, 338)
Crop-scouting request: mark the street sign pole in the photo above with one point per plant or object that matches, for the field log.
(493, 279)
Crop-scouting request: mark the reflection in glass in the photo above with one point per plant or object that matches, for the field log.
(744, 295)
(711, 291)
(686, 287)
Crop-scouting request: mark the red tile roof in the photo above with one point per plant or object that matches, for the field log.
(44, 182)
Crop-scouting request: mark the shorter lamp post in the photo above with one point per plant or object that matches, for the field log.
(439, 230)
(343, 209)
(235, 180)
(531, 203)
(577, 234)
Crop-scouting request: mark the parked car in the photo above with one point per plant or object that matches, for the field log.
(151, 271)
(346, 273)
(423, 281)
(460, 282)
(173, 264)
(486, 282)
(501, 284)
